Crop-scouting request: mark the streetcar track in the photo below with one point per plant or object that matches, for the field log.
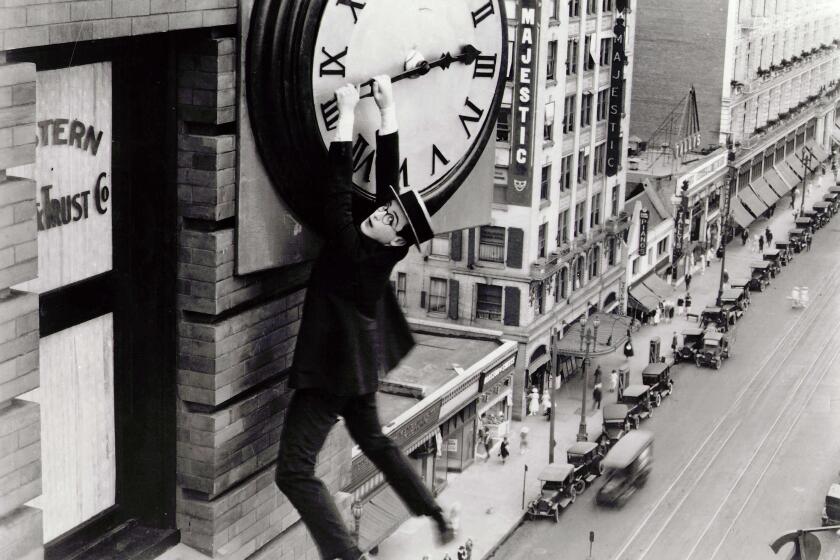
(788, 404)
(789, 345)
(773, 456)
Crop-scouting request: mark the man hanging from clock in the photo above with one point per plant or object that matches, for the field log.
(353, 332)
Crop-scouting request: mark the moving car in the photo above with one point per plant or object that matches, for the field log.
(585, 457)
(692, 341)
(637, 397)
(559, 489)
(618, 421)
(627, 466)
(715, 350)
(657, 376)
(831, 511)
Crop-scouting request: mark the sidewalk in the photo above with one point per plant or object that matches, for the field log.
(490, 494)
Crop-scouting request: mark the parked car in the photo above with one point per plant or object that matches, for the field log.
(627, 467)
(831, 511)
(559, 489)
(774, 257)
(585, 457)
(692, 341)
(637, 397)
(715, 350)
(760, 273)
(657, 376)
(734, 303)
(716, 316)
(823, 210)
(618, 420)
(796, 237)
(813, 215)
(805, 223)
(786, 250)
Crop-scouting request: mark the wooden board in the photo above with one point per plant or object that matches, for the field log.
(73, 175)
(77, 424)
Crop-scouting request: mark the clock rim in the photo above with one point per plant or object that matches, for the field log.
(283, 116)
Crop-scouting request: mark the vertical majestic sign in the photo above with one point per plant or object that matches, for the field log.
(616, 104)
(644, 216)
(524, 94)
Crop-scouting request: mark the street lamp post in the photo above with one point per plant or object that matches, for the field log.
(553, 384)
(725, 224)
(588, 340)
(356, 508)
(806, 159)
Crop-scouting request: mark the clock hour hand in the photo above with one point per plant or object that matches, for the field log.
(467, 56)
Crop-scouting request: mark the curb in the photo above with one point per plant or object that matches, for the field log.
(489, 554)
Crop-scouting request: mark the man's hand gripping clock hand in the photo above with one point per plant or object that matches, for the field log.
(383, 94)
(347, 97)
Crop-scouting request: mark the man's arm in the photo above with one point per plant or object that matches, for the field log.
(387, 140)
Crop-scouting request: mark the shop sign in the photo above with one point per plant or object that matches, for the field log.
(644, 216)
(616, 103)
(73, 174)
(524, 97)
(495, 376)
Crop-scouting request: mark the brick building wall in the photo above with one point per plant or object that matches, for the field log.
(236, 337)
(20, 436)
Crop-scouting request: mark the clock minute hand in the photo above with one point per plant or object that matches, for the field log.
(467, 56)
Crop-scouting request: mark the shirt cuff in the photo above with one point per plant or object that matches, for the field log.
(389, 121)
(344, 130)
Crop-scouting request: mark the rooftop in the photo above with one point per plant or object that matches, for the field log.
(429, 365)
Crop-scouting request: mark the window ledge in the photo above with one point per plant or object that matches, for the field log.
(553, 22)
(491, 264)
(550, 82)
(545, 204)
(548, 144)
(444, 258)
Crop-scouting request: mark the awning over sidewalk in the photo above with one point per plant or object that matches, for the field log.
(381, 516)
(739, 213)
(658, 286)
(775, 181)
(752, 202)
(642, 298)
(538, 362)
(796, 165)
(612, 334)
(789, 177)
(767, 195)
(817, 151)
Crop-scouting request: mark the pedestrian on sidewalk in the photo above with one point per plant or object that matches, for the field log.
(680, 305)
(462, 553)
(670, 313)
(687, 302)
(488, 445)
(656, 315)
(687, 281)
(760, 243)
(504, 449)
(772, 209)
(596, 395)
(745, 235)
(598, 374)
(546, 403)
(754, 246)
(613, 380)
(769, 235)
(709, 257)
(523, 439)
(533, 402)
(793, 198)
(674, 343)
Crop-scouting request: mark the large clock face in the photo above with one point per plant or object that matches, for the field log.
(443, 114)
(300, 51)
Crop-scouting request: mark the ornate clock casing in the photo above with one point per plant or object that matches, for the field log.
(300, 51)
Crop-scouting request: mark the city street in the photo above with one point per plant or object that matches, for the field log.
(742, 454)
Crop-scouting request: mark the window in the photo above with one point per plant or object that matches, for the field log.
(606, 51)
(511, 58)
(401, 282)
(595, 210)
(600, 158)
(614, 201)
(591, 7)
(790, 144)
(583, 164)
(580, 215)
(488, 304)
(768, 159)
(569, 114)
(541, 235)
(607, 5)
(588, 59)
(595, 262)
(571, 55)
(553, 9)
(611, 252)
(563, 227)
(437, 295)
(662, 247)
(780, 151)
(756, 168)
(579, 272)
(634, 268)
(545, 182)
(603, 100)
(585, 110)
(491, 244)
(551, 61)
(811, 131)
(743, 176)
(440, 245)
(562, 289)
(565, 173)
(503, 125)
(574, 8)
(548, 127)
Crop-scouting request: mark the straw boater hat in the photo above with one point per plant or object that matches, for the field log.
(419, 220)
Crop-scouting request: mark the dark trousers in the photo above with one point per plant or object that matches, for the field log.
(309, 418)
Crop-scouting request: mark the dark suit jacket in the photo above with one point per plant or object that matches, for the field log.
(353, 329)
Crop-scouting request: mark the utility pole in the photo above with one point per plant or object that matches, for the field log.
(806, 160)
(552, 371)
(730, 187)
(587, 338)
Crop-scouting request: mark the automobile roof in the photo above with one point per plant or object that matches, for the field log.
(581, 447)
(557, 472)
(655, 368)
(627, 449)
(711, 309)
(635, 390)
(732, 293)
(713, 336)
(615, 411)
(771, 252)
(797, 231)
(692, 332)
(760, 264)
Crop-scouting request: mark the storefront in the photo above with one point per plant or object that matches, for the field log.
(495, 403)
